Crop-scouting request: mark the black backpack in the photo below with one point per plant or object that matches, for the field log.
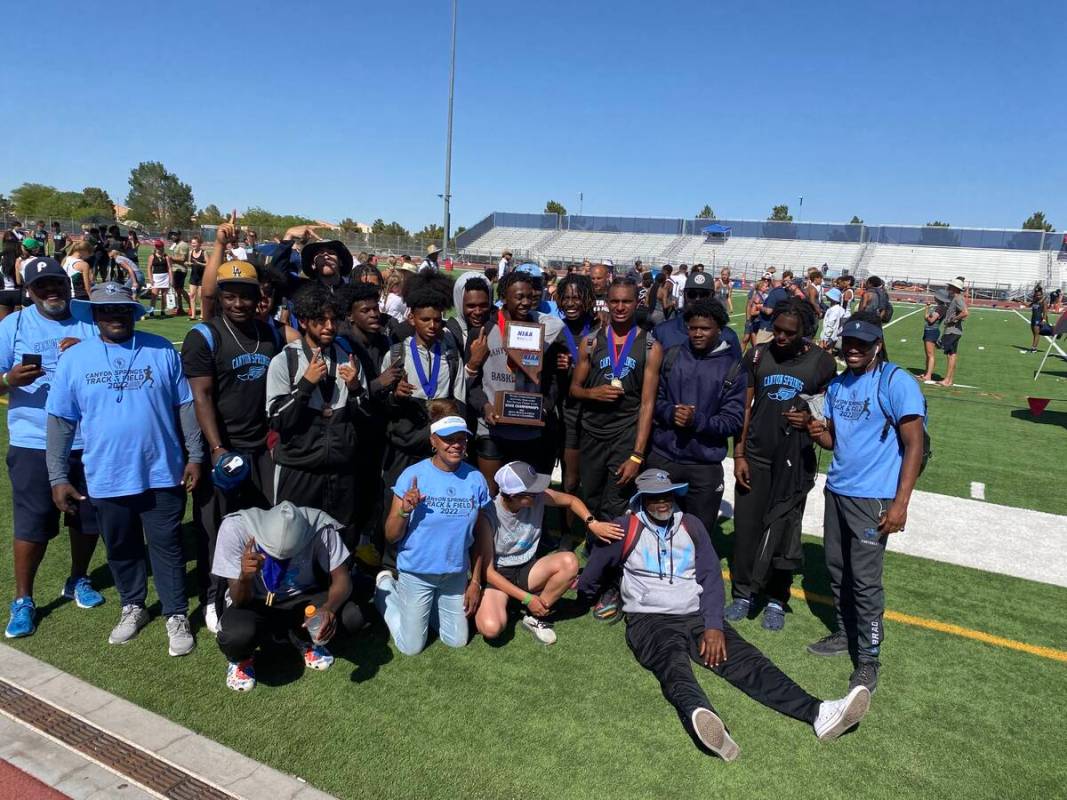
(893, 369)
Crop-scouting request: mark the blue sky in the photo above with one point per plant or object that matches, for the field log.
(898, 112)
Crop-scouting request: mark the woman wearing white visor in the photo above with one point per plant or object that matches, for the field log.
(436, 504)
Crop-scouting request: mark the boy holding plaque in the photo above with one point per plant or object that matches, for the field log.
(515, 391)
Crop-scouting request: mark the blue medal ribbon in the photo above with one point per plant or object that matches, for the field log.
(429, 385)
(618, 360)
(572, 345)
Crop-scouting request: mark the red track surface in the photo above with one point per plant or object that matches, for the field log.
(18, 785)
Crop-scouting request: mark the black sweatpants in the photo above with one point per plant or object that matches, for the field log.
(749, 508)
(333, 492)
(665, 644)
(705, 486)
(600, 459)
(211, 504)
(242, 630)
(855, 552)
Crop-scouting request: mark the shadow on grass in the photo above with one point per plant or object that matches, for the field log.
(816, 581)
(1046, 417)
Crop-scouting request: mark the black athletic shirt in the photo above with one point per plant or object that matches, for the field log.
(240, 373)
(158, 265)
(778, 386)
(59, 247)
(605, 420)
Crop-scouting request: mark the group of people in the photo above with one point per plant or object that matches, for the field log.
(320, 439)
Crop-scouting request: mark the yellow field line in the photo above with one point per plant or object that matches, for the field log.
(941, 627)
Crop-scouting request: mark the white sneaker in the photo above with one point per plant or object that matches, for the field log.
(131, 620)
(837, 716)
(211, 618)
(713, 735)
(181, 642)
(541, 629)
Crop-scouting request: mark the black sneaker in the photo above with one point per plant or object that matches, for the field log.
(836, 644)
(866, 674)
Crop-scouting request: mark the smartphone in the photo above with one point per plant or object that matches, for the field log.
(31, 360)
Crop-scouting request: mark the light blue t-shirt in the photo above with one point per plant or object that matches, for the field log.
(865, 464)
(441, 529)
(126, 397)
(29, 331)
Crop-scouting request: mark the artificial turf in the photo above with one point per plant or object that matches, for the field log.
(952, 717)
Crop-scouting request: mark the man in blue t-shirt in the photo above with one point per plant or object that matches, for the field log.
(32, 342)
(127, 389)
(875, 413)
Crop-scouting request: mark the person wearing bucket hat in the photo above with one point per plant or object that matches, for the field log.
(127, 390)
(514, 571)
(832, 321)
(32, 343)
(429, 264)
(437, 505)
(226, 360)
(672, 595)
(327, 261)
(955, 313)
(276, 564)
(875, 418)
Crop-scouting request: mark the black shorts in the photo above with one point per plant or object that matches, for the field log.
(36, 518)
(519, 574)
(179, 279)
(950, 343)
(492, 448)
(571, 420)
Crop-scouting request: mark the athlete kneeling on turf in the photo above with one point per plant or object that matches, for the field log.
(278, 565)
(516, 518)
(672, 595)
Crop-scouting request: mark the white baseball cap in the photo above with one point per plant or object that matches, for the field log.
(518, 477)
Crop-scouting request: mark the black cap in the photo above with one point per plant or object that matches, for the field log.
(35, 269)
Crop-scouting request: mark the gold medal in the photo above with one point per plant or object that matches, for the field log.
(616, 382)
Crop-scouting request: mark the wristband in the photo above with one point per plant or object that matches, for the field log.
(403, 513)
(637, 460)
(217, 447)
(589, 520)
(527, 599)
(4, 379)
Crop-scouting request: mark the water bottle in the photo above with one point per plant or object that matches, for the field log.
(313, 623)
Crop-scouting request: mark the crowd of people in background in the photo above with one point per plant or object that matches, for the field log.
(345, 429)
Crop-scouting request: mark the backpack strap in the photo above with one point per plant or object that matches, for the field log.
(291, 363)
(893, 369)
(209, 335)
(451, 349)
(629, 542)
(731, 376)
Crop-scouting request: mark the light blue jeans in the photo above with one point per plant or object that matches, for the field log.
(412, 602)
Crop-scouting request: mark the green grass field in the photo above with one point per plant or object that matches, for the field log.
(952, 717)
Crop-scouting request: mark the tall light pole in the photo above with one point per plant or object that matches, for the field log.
(800, 210)
(448, 139)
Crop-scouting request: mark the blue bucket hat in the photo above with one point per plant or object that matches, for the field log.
(657, 481)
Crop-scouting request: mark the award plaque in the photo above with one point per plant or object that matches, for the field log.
(524, 344)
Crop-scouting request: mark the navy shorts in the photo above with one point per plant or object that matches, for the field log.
(931, 334)
(36, 516)
(950, 343)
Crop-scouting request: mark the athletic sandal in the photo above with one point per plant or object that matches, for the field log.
(773, 617)
(713, 734)
(737, 610)
(837, 716)
(241, 677)
(317, 657)
(608, 607)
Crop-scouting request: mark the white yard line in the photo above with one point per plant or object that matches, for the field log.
(893, 322)
(957, 530)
